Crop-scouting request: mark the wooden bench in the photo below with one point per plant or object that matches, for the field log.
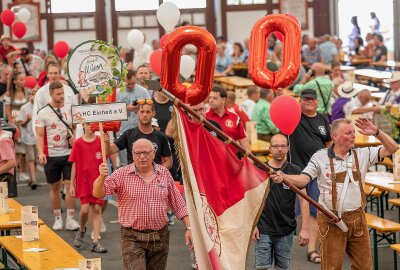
(372, 195)
(387, 162)
(384, 230)
(59, 254)
(396, 202)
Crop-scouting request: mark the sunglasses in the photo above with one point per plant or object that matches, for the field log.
(144, 101)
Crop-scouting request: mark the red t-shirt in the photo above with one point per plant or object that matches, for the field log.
(230, 124)
(87, 157)
(244, 118)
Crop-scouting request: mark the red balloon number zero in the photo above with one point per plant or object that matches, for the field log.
(291, 56)
(171, 57)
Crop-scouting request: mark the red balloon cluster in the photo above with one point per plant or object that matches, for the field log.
(171, 58)
(7, 17)
(30, 82)
(19, 29)
(289, 27)
(285, 113)
(61, 49)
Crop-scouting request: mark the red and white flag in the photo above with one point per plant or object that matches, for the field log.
(224, 196)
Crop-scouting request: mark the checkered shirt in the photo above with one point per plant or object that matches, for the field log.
(143, 206)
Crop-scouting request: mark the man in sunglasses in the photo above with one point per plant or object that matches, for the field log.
(274, 232)
(144, 130)
(132, 93)
(145, 192)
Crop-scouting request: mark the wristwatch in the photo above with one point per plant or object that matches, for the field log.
(377, 133)
(188, 228)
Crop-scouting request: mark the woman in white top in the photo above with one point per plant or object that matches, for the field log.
(14, 98)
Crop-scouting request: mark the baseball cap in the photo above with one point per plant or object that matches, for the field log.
(308, 93)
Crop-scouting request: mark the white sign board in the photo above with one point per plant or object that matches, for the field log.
(90, 70)
(90, 264)
(104, 112)
(30, 223)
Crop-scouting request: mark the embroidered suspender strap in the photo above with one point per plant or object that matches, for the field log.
(363, 198)
(334, 192)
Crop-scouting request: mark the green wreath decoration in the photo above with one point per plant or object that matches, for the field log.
(118, 79)
(393, 122)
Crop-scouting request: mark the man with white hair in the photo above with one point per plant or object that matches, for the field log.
(340, 171)
(145, 192)
(361, 104)
(393, 94)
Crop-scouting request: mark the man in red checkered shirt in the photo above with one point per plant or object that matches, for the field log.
(145, 192)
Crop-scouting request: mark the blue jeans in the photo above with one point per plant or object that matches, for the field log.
(273, 250)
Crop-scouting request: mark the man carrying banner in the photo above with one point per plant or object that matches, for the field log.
(145, 192)
(230, 122)
(274, 231)
(340, 171)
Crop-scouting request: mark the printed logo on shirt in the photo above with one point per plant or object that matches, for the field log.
(322, 130)
(229, 123)
(285, 186)
(155, 146)
(53, 126)
(170, 108)
(57, 138)
(98, 155)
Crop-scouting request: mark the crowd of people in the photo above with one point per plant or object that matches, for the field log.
(143, 148)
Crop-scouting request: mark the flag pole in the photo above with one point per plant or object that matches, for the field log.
(246, 152)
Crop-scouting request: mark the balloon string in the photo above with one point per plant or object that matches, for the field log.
(290, 155)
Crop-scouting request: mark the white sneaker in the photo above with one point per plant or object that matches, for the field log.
(58, 224)
(23, 177)
(103, 227)
(92, 236)
(72, 224)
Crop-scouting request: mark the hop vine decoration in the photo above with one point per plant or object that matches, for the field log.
(393, 123)
(118, 79)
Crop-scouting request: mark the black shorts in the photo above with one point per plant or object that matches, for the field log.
(57, 167)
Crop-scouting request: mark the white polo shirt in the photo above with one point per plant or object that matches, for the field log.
(319, 167)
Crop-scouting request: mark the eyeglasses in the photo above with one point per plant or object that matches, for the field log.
(144, 153)
(144, 101)
(277, 146)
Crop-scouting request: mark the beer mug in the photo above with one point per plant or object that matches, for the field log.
(394, 110)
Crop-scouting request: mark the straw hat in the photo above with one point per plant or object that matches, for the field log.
(346, 90)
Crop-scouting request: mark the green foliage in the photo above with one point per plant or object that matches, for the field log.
(393, 122)
(118, 79)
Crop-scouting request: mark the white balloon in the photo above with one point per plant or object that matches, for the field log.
(135, 39)
(168, 15)
(24, 15)
(187, 66)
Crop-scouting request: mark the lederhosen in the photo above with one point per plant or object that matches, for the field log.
(340, 177)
